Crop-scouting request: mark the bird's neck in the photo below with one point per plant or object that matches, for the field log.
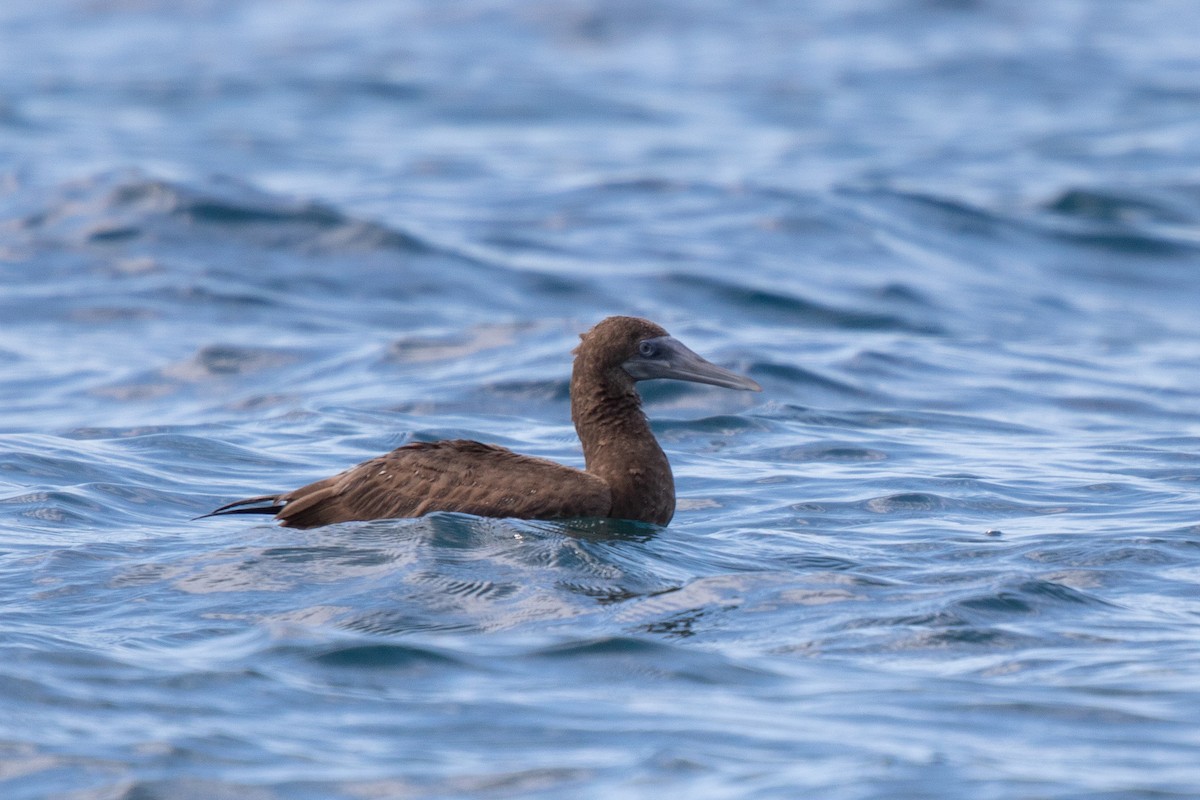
(620, 448)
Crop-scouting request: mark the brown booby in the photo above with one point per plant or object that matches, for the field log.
(627, 474)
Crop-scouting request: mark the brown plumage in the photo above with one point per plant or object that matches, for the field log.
(627, 474)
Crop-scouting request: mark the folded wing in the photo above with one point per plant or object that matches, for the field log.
(456, 475)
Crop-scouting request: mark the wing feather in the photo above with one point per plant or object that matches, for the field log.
(456, 475)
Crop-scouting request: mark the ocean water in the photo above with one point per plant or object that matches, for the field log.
(952, 550)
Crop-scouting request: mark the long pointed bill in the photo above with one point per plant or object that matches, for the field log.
(670, 358)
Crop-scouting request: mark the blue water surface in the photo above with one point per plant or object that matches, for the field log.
(951, 551)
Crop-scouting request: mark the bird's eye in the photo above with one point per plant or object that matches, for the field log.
(646, 349)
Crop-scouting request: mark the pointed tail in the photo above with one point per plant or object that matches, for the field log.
(264, 504)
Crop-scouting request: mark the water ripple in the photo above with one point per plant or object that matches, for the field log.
(952, 549)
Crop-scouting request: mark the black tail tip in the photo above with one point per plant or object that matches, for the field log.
(266, 504)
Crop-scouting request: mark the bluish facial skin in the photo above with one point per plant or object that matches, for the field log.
(667, 357)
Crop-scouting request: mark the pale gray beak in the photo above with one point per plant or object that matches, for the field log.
(667, 357)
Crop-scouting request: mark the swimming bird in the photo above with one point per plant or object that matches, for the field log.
(626, 476)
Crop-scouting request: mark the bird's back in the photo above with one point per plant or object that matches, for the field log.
(455, 475)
